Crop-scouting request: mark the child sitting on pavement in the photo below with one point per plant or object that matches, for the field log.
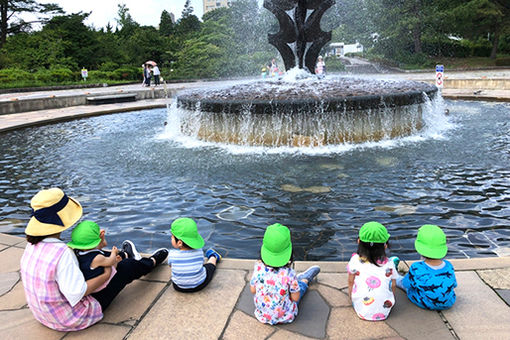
(189, 273)
(88, 241)
(371, 275)
(276, 288)
(430, 283)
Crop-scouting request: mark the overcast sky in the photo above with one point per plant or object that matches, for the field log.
(144, 12)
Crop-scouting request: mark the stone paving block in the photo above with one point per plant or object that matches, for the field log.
(162, 273)
(22, 244)
(100, 330)
(345, 324)
(123, 309)
(311, 319)
(10, 240)
(334, 297)
(504, 294)
(326, 267)
(496, 278)
(285, 335)
(412, 322)
(245, 302)
(10, 259)
(20, 324)
(237, 264)
(478, 313)
(312, 316)
(7, 281)
(242, 326)
(15, 299)
(336, 280)
(480, 263)
(200, 315)
(3, 246)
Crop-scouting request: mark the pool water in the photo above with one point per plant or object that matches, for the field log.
(133, 178)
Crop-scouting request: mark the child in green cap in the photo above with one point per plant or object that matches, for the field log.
(371, 275)
(189, 273)
(88, 241)
(430, 283)
(274, 283)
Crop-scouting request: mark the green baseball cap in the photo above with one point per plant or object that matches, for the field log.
(431, 242)
(185, 229)
(373, 232)
(85, 236)
(276, 247)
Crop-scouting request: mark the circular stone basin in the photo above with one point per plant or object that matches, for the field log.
(305, 113)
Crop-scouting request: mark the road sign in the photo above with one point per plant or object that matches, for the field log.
(439, 76)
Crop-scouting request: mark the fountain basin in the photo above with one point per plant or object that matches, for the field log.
(305, 113)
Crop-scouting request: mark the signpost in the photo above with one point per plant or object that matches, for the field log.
(439, 76)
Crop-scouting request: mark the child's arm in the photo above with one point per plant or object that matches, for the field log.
(103, 261)
(295, 296)
(252, 289)
(96, 282)
(394, 286)
(350, 282)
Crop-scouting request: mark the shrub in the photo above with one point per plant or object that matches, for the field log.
(503, 61)
(126, 73)
(14, 74)
(98, 75)
(62, 75)
(108, 66)
(334, 64)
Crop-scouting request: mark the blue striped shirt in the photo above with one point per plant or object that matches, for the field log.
(187, 267)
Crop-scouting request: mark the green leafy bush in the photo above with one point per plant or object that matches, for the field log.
(334, 65)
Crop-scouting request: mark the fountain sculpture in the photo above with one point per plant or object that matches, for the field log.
(304, 112)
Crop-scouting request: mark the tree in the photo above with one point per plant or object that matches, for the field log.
(166, 24)
(11, 23)
(78, 41)
(125, 21)
(188, 24)
(479, 18)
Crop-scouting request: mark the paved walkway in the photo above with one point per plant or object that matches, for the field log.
(151, 309)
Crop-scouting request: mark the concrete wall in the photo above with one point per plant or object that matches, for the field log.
(54, 102)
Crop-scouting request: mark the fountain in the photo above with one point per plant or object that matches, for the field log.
(299, 109)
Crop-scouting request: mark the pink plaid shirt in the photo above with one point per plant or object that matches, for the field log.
(49, 306)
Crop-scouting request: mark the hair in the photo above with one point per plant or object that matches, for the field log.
(183, 243)
(372, 251)
(288, 264)
(35, 239)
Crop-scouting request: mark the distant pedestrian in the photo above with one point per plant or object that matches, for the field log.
(320, 69)
(156, 73)
(143, 73)
(147, 75)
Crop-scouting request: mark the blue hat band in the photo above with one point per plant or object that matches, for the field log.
(49, 215)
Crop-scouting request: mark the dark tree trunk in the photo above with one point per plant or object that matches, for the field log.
(495, 44)
(417, 39)
(3, 22)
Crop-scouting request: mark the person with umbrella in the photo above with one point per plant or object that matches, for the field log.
(147, 74)
(156, 73)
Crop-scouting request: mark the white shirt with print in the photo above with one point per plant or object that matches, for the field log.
(372, 297)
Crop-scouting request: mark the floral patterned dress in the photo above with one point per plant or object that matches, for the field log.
(272, 298)
(372, 297)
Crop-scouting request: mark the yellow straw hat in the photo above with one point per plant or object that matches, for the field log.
(52, 212)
